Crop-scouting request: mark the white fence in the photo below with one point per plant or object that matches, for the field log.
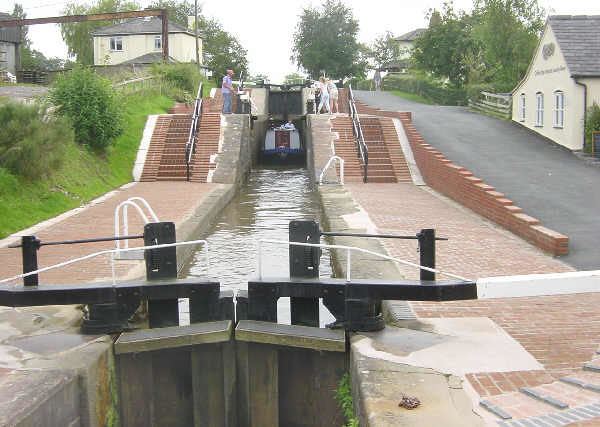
(494, 104)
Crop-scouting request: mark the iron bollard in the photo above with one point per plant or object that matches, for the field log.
(29, 248)
(427, 252)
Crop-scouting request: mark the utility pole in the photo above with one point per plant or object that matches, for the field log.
(196, 33)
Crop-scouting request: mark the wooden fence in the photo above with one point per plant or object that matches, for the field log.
(494, 104)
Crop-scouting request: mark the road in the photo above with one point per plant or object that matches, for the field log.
(547, 181)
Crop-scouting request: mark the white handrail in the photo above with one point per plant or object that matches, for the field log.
(112, 252)
(329, 163)
(124, 205)
(348, 251)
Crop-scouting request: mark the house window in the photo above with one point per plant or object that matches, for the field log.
(116, 43)
(157, 42)
(522, 107)
(559, 109)
(539, 111)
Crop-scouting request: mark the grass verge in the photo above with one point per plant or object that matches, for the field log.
(411, 97)
(343, 395)
(83, 175)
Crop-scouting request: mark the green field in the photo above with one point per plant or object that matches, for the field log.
(83, 174)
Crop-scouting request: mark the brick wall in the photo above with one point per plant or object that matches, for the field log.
(459, 184)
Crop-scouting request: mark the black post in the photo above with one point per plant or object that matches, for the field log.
(29, 248)
(427, 252)
(161, 264)
(304, 262)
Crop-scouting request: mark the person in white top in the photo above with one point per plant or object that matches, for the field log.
(324, 96)
(333, 97)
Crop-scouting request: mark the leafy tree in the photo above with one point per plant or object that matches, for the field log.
(444, 48)
(78, 35)
(89, 101)
(508, 32)
(221, 50)
(325, 40)
(385, 49)
(177, 10)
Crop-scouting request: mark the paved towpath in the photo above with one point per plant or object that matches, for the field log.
(561, 332)
(548, 182)
(22, 93)
(98, 220)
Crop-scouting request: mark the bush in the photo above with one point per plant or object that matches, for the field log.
(30, 145)
(183, 78)
(89, 101)
(592, 124)
(427, 87)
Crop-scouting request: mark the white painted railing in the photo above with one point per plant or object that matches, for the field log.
(330, 162)
(146, 217)
(348, 250)
(113, 252)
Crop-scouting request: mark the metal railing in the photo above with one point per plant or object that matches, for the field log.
(190, 146)
(331, 161)
(363, 151)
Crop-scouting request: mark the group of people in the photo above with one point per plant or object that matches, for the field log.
(328, 94)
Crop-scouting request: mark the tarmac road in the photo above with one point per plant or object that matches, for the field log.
(547, 181)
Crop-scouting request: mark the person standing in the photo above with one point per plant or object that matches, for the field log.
(324, 96)
(227, 91)
(377, 79)
(333, 96)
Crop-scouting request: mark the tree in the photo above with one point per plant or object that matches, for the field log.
(325, 40)
(221, 50)
(444, 49)
(385, 49)
(508, 32)
(78, 36)
(177, 10)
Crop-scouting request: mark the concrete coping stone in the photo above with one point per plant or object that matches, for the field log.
(174, 336)
(291, 335)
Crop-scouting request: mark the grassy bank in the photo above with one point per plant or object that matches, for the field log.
(411, 97)
(83, 175)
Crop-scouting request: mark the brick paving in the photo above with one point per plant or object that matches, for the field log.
(562, 332)
(98, 220)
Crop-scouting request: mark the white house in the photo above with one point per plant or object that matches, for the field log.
(406, 41)
(562, 81)
(139, 41)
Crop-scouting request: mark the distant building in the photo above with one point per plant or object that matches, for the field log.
(406, 42)
(562, 81)
(139, 41)
(9, 46)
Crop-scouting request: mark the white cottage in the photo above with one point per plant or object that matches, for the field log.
(139, 41)
(562, 81)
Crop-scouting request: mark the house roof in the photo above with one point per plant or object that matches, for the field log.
(9, 34)
(145, 25)
(579, 40)
(411, 35)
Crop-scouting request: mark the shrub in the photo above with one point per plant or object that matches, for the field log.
(343, 395)
(592, 124)
(184, 77)
(89, 101)
(427, 87)
(30, 145)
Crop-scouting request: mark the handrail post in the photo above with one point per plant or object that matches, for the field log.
(29, 248)
(427, 252)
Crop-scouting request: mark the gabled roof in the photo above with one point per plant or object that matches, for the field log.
(9, 34)
(411, 35)
(145, 25)
(579, 40)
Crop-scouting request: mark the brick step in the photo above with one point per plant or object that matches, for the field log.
(381, 179)
(512, 405)
(563, 395)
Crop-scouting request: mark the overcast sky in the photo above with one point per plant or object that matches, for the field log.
(265, 27)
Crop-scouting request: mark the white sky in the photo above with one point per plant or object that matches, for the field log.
(265, 27)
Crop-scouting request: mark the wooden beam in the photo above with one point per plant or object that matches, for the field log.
(82, 18)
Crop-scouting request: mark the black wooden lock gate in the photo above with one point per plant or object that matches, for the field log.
(355, 304)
